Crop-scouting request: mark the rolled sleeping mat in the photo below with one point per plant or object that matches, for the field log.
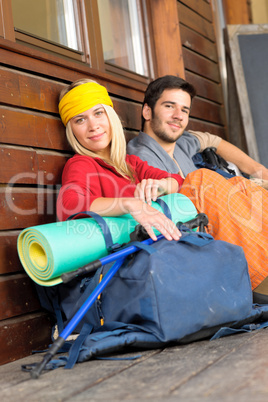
(48, 251)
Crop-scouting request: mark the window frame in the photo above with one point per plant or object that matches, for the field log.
(33, 41)
(91, 54)
(6, 19)
(92, 14)
(163, 58)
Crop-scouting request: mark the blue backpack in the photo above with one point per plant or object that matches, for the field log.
(209, 159)
(171, 292)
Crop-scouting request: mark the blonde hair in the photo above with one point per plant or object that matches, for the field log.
(118, 142)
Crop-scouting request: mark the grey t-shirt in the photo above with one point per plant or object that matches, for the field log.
(149, 150)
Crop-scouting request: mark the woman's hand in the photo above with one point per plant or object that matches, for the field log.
(150, 217)
(149, 189)
(144, 214)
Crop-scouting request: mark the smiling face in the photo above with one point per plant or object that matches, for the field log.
(167, 122)
(92, 130)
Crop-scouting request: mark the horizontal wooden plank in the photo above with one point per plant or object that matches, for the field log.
(20, 336)
(198, 43)
(50, 167)
(200, 65)
(205, 88)
(18, 296)
(37, 93)
(196, 22)
(209, 111)
(129, 113)
(230, 369)
(28, 166)
(21, 127)
(24, 207)
(24, 90)
(194, 372)
(201, 7)
(9, 259)
(203, 126)
(19, 165)
(55, 67)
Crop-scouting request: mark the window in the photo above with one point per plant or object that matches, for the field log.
(51, 24)
(48, 19)
(122, 34)
(107, 35)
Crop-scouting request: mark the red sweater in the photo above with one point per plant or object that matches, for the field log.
(84, 179)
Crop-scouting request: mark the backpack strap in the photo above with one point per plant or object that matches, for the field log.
(145, 247)
(76, 347)
(210, 160)
(110, 245)
(59, 318)
(165, 207)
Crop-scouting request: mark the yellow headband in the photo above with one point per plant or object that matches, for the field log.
(81, 98)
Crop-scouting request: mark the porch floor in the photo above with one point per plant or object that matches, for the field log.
(233, 368)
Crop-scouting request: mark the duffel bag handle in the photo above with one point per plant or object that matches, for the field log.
(199, 239)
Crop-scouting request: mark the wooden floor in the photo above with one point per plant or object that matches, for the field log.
(233, 368)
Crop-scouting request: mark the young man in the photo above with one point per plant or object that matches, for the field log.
(163, 141)
(237, 208)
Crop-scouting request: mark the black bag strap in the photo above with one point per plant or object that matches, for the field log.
(110, 245)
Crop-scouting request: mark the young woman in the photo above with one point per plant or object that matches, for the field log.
(101, 178)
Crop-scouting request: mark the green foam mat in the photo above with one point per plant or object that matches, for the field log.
(48, 251)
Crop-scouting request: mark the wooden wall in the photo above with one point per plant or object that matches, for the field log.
(237, 12)
(201, 64)
(33, 152)
(34, 149)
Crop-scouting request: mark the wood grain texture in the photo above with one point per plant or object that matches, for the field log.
(205, 88)
(237, 12)
(9, 259)
(30, 128)
(203, 8)
(37, 93)
(200, 65)
(196, 42)
(166, 35)
(24, 207)
(233, 368)
(197, 125)
(206, 110)
(18, 296)
(197, 22)
(20, 336)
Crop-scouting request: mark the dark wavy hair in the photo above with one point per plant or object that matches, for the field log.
(158, 86)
